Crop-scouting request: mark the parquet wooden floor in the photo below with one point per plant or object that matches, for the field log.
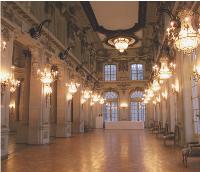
(101, 151)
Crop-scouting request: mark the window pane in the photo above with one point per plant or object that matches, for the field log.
(137, 108)
(110, 72)
(137, 72)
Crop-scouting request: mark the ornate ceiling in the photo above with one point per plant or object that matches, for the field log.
(110, 19)
(116, 15)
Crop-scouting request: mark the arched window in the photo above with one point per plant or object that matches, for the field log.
(137, 94)
(137, 107)
(111, 106)
(111, 95)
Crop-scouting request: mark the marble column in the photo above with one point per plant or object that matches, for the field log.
(76, 112)
(187, 103)
(82, 113)
(164, 112)
(39, 105)
(6, 63)
(149, 118)
(86, 114)
(63, 127)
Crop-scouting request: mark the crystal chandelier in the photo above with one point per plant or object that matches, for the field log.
(187, 39)
(164, 72)
(121, 44)
(72, 87)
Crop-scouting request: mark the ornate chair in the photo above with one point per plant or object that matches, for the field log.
(159, 128)
(162, 130)
(192, 150)
(174, 136)
(154, 127)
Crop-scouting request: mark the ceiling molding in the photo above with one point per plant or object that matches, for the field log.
(91, 16)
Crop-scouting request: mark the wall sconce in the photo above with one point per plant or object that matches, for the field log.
(69, 96)
(48, 75)
(14, 83)
(164, 94)
(96, 97)
(196, 73)
(4, 78)
(12, 105)
(72, 87)
(158, 99)
(91, 103)
(124, 105)
(83, 100)
(102, 100)
(47, 90)
(175, 88)
(3, 45)
(154, 102)
(87, 94)
(9, 80)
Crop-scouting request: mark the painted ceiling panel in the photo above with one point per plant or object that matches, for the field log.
(116, 15)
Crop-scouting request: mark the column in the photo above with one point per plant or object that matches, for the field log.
(39, 105)
(76, 112)
(164, 112)
(63, 126)
(86, 114)
(187, 103)
(82, 113)
(6, 63)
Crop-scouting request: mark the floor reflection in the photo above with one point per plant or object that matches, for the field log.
(101, 151)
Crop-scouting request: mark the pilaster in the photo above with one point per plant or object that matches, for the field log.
(39, 105)
(63, 127)
(5, 64)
